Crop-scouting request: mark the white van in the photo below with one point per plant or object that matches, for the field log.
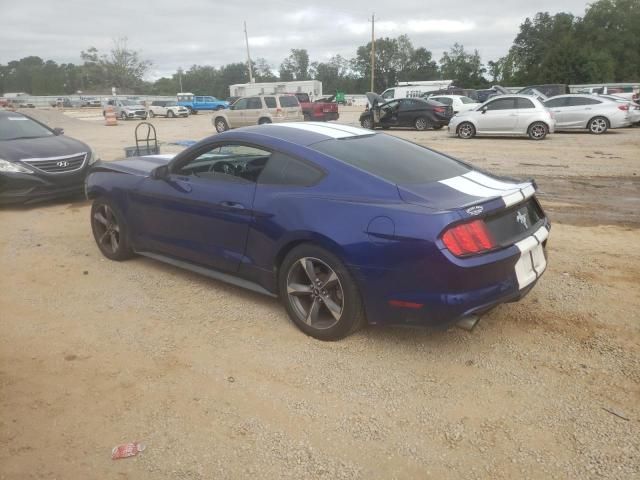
(414, 89)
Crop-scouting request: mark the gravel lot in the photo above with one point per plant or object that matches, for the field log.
(218, 383)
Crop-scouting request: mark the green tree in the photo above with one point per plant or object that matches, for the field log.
(295, 66)
(464, 68)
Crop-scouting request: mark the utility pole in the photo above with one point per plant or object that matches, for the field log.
(180, 78)
(246, 39)
(373, 51)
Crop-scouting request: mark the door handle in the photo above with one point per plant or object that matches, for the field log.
(236, 205)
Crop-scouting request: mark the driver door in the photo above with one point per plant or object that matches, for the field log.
(389, 113)
(501, 116)
(202, 210)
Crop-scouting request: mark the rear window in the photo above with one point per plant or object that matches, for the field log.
(270, 102)
(467, 100)
(289, 101)
(392, 158)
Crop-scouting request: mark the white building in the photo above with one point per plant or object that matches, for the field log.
(312, 87)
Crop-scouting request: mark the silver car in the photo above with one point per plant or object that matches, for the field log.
(505, 115)
(595, 114)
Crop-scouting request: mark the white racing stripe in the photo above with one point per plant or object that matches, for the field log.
(479, 185)
(532, 262)
(468, 187)
(329, 130)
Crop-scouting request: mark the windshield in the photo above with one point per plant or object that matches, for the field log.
(171, 104)
(392, 158)
(15, 126)
(467, 100)
(129, 103)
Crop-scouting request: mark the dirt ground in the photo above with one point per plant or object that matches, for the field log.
(218, 383)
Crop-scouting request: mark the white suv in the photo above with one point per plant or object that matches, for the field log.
(167, 108)
(258, 109)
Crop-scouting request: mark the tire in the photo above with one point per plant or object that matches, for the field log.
(466, 130)
(194, 112)
(421, 124)
(191, 111)
(110, 230)
(151, 114)
(170, 114)
(307, 117)
(221, 125)
(598, 125)
(305, 299)
(367, 123)
(537, 131)
(264, 121)
(123, 116)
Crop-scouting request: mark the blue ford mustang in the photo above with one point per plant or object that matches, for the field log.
(345, 225)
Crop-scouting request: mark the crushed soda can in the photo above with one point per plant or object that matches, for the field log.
(127, 450)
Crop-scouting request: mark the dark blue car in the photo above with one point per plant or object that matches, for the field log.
(345, 225)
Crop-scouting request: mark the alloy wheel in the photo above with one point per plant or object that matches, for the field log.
(465, 130)
(421, 124)
(598, 125)
(106, 228)
(221, 125)
(315, 293)
(538, 131)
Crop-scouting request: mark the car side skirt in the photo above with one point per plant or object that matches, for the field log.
(208, 272)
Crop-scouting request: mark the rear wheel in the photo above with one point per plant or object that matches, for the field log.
(367, 123)
(537, 131)
(421, 123)
(109, 230)
(598, 125)
(466, 130)
(221, 125)
(262, 121)
(307, 117)
(319, 293)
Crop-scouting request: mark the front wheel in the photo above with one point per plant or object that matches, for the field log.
(537, 131)
(151, 114)
(109, 230)
(170, 114)
(221, 125)
(598, 125)
(367, 123)
(466, 130)
(123, 116)
(319, 293)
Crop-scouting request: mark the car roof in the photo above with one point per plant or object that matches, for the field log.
(306, 133)
(9, 113)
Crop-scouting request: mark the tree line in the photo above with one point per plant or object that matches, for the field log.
(602, 46)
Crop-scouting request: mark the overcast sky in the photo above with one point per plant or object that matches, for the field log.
(173, 33)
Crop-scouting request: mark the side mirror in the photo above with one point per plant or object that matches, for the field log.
(58, 131)
(160, 173)
(232, 107)
(484, 110)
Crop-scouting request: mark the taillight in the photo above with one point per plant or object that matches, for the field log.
(468, 238)
(624, 107)
(439, 109)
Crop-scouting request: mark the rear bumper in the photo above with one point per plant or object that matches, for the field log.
(325, 116)
(457, 288)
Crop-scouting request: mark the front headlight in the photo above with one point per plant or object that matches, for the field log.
(12, 167)
(93, 157)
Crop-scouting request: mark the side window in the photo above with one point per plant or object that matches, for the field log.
(407, 104)
(502, 104)
(555, 102)
(524, 103)
(388, 94)
(284, 170)
(209, 99)
(270, 102)
(230, 162)
(582, 101)
(254, 103)
(443, 100)
(240, 104)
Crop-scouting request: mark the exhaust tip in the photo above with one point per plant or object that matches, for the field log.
(467, 323)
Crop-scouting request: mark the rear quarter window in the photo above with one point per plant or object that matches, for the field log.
(282, 169)
(270, 102)
(392, 158)
(289, 101)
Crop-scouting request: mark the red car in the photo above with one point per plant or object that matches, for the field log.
(321, 110)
